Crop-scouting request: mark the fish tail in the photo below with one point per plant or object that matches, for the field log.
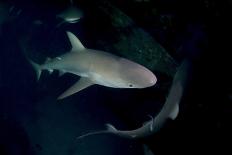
(37, 68)
(109, 130)
(92, 134)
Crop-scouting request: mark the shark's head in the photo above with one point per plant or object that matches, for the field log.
(135, 75)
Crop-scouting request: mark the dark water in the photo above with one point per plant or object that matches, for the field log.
(32, 121)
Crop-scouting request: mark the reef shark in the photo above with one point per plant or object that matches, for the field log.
(170, 109)
(8, 12)
(97, 67)
(72, 14)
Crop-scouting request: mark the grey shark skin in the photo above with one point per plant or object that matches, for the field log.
(169, 110)
(97, 67)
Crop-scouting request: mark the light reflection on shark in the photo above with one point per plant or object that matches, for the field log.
(169, 110)
(97, 67)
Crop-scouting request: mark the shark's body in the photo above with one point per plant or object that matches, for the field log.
(97, 67)
(169, 110)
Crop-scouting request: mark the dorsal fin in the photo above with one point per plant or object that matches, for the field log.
(75, 42)
(111, 128)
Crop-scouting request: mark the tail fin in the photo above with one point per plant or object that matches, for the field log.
(36, 66)
(109, 130)
(37, 69)
(92, 134)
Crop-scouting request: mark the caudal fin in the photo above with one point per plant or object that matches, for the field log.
(36, 66)
(37, 69)
(92, 134)
(109, 130)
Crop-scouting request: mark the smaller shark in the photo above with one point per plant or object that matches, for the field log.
(169, 110)
(8, 12)
(72, 14)
(97, 67)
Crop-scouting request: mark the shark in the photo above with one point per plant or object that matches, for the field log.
(169, 110)
(96, 67)
(71, 14)
(8, 12)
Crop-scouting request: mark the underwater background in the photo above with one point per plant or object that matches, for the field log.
(158, 34)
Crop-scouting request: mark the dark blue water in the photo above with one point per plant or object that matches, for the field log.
(32, 121)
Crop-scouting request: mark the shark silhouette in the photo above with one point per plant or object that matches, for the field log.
(97, 67)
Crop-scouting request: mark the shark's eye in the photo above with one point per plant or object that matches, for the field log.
(130, 85)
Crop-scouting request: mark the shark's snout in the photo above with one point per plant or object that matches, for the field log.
(148, 78)
(153, 80)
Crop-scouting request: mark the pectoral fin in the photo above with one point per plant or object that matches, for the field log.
(78, 86)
